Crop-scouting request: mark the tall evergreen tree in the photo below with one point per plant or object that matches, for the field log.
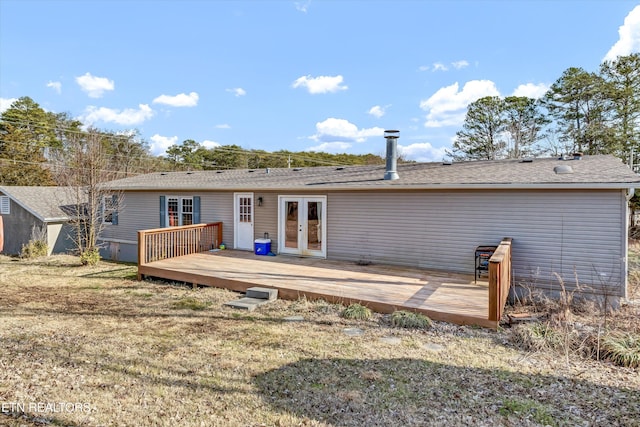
(481, 134)
(580, 108)
(623, 89)
(26, 132)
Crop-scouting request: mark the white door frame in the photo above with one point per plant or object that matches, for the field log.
(243, 231)
(302, 248)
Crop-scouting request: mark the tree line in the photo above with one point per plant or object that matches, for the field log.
(44, 148)
(587, 112)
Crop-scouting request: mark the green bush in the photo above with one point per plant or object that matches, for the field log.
(34, 249)
(90, 257)
(410, 320)
(622, 349)
(357, 312)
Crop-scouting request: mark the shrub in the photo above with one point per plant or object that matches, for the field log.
(622, 349)
(357, 312)
(536, 337)
(90, 257)
(34, 249)
(410, 320)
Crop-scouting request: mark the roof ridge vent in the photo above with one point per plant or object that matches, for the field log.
(527, 160)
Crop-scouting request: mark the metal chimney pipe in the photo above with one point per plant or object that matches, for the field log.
(392, 154)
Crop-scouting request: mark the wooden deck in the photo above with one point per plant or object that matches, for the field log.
(441, 296)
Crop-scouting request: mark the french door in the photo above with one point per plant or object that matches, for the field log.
(302, 225)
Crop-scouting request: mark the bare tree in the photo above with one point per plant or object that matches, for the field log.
(84, 167)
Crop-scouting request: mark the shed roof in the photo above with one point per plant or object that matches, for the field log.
(48, 204)
(600, 171)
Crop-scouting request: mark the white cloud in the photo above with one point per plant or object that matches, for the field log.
(237, 91)
(94, 86)
(447, 107)
(159, 144)
(180, 100)
(629, 41)
(340, 130)
(57, 86)
(422, 152)
(5, 103)
(377, 111)
(210, 144)
(223, 126)
(331, 147)
(320, 84)
(460, 64)
(302, 6)
(129, 116)
(439, 66)
(531, 90)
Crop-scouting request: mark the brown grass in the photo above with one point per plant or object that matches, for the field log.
(158, 354)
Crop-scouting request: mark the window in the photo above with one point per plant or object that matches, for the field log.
(4, 205)
(110, 210)
(179, 211)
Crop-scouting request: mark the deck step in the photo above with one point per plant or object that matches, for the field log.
(249, 304)
(254, 297)
(269, 294)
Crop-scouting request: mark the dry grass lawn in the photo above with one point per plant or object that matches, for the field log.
(91, 346)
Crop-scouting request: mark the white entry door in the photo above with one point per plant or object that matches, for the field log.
(243, 223)
(302, 225)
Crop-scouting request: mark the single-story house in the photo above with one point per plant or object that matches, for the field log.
(36, 213)
(568, 217)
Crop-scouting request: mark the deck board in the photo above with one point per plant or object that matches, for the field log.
(441, 295)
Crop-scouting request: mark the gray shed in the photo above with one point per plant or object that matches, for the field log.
(568, 217)
(29, 212)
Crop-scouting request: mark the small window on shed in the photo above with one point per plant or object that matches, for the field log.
(4, 205)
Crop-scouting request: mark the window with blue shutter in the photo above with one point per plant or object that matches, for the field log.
(175, 211)
(163, 211)
(196, 209)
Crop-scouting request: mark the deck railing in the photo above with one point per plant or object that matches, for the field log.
(499, 279)
(164, 243)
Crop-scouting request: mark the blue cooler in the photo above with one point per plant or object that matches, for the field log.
(262, 246)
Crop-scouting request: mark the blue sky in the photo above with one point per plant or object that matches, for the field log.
(297, 75)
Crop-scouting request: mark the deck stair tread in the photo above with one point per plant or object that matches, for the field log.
(254, 297)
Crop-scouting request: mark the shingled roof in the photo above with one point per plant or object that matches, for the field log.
(49, 204)
(601, 171)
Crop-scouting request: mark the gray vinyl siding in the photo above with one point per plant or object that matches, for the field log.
(266, 217)
(141, 211)
(18, 228)
(562, 234)
(556, 234)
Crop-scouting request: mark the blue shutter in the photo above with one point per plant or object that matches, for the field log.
(114, 215)
(163, 213)
(196, 209)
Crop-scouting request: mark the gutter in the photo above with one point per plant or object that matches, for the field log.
(391, 187)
